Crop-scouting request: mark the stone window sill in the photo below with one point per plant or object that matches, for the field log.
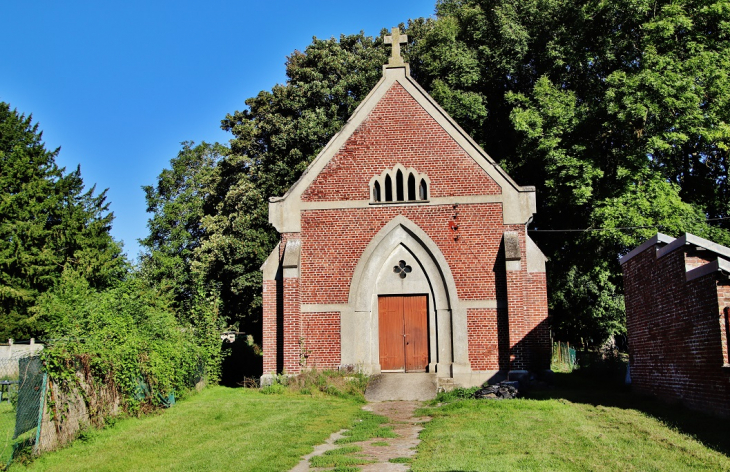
(404, 202)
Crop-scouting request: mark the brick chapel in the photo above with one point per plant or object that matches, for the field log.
(404, 249)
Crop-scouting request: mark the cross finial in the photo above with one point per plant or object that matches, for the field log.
(396, 39)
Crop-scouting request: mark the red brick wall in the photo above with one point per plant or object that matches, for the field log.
(536, 312)
(484, 340)
(518, 322)
(692, 261)
(674, 333)
(292, 326)
(269, 344)
(399, 131)
(723, 299)
(321, 337)
(333, 242)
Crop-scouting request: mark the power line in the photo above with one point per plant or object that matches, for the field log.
(588, 230)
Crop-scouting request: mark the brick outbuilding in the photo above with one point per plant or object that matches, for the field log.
(677, 309)
(404, 248)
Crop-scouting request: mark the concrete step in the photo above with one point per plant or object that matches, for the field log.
(400, 386)
(445, 384)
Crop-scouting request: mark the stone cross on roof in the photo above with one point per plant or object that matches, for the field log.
(396, 39)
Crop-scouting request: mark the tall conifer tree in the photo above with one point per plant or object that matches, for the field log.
(47, 222)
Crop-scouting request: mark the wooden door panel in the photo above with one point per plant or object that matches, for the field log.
(390, 318)
(403, 332)
(415, 317)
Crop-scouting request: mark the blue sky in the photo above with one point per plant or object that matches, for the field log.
(118, 85)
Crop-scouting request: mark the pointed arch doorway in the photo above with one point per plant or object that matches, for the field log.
(399, 242)
(403, 326)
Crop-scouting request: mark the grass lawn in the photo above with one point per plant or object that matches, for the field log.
(571, 429)
(218, 429)
(7, 429)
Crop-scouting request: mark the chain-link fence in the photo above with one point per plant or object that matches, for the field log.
(22, 391)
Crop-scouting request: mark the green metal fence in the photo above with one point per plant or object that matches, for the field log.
(22, 393)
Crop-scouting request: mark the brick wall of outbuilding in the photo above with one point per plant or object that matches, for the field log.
(675, 332)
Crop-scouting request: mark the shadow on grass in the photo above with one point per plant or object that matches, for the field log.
(574, 387)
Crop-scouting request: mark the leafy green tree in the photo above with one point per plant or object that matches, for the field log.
(177, 204)
(616, 111)
(47, 222)
(274, 139)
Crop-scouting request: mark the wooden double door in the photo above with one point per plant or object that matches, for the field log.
(403, 325)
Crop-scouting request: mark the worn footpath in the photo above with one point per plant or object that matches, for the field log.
(401, 418)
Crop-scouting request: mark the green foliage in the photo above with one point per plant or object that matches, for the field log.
(126, 334)
(48, 223)
(330, 382)
(273, 389)
(273, 431)
(616, 111)
(177, 204)
(455, 394)
(602, 431)
(321, 382)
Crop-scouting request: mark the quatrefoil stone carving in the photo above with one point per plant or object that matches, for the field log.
(402, 269)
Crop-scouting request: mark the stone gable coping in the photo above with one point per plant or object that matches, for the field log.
(689, 239)
(535, 258)
(519, 202)
(670, 244)
(270, 267)
(659, 238)
(718, 265)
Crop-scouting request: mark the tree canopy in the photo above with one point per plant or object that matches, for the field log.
(48, 222)
(616, 111)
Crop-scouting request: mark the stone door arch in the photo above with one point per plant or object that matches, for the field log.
(402, 241)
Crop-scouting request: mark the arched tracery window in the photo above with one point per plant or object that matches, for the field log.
(399, 185)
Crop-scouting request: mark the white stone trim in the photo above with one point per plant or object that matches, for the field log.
(292, 254)
(270, 267)
(692, 240)
(718, 265)
(347, 204)
(658, 238)
(535, 258)
(359, 322)
(518, 202)
(323, 307)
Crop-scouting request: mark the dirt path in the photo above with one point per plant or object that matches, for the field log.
(404, 424)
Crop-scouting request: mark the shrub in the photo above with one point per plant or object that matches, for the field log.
(329, 382)
(128, 335)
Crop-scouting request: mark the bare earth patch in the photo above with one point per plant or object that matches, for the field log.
(405, 425)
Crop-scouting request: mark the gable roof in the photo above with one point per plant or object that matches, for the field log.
(667, 244)
(518, 202)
